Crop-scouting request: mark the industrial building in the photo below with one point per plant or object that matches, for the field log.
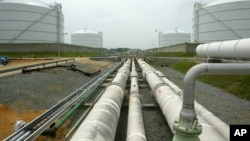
(87, 38)
(173, 37)
(31, 21)
(221, 20)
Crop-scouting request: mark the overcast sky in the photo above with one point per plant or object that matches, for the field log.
(127, 23)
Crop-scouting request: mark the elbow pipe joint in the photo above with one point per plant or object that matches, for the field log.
(187, 114)
(188, 125)
(188, 119)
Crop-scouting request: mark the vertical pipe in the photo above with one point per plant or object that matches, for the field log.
(171, 103)
(187, 114)
(135, 130)
(101, 123)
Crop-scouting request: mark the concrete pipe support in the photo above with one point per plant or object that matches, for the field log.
(135, 130)
(101, 123)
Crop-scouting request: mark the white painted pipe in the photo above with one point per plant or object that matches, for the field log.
(101, 123)
(187, 114)
(235, 49)
(171, 103)
(135, 129)
(202, 112)
(168, 82)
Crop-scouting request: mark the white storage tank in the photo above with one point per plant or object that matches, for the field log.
(27, 21)
(221, 20)
(87, 38)
(173, 37)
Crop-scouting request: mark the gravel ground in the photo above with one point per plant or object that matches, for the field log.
(39, 90)
(25, 96)
(230, 109)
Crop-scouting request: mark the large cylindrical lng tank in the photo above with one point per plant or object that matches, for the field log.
(173, 37)
(87, 38)
(30, 21)
(221, 20)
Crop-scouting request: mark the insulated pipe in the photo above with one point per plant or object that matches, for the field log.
(168, 82)
(135, 129)
(237, 49)
(206, 115)
(164, 95)
(171, 103)
(101, 123)
(187, 114)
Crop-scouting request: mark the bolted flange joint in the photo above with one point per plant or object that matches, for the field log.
(187, 134)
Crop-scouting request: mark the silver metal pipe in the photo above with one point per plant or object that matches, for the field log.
(101, 123)
(203, 113)
(187, 115)
(135, 129)
(171, 103)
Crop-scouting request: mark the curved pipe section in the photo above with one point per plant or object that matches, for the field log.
(101, 123)
(187, 114)
(135, 130)
(170, 103)
(235, 49)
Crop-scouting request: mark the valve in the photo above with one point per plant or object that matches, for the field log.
(187, 134)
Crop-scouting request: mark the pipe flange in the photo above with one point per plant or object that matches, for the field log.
(158, 86)
(191, 132)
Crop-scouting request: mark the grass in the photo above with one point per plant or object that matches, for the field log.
(49, 54)
(238, 85)
(174, 54)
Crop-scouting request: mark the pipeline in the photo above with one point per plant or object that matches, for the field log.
(70, 67)
(135, 129)
(187, 114)
(44, 121)
(203, 113)
(233, 49)
(168, 82)
(162, 92)
(171, 103)
(101, 123)
(77, 105)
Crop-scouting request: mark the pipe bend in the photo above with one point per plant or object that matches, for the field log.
(194, 72)
(187, 115)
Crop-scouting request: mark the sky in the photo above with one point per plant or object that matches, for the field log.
(127, 23)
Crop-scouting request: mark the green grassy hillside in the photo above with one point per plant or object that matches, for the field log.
(235, 84)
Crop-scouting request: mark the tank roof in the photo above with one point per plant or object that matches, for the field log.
(27, 2)
(85, 31)
(217, 2)
(175, 31)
